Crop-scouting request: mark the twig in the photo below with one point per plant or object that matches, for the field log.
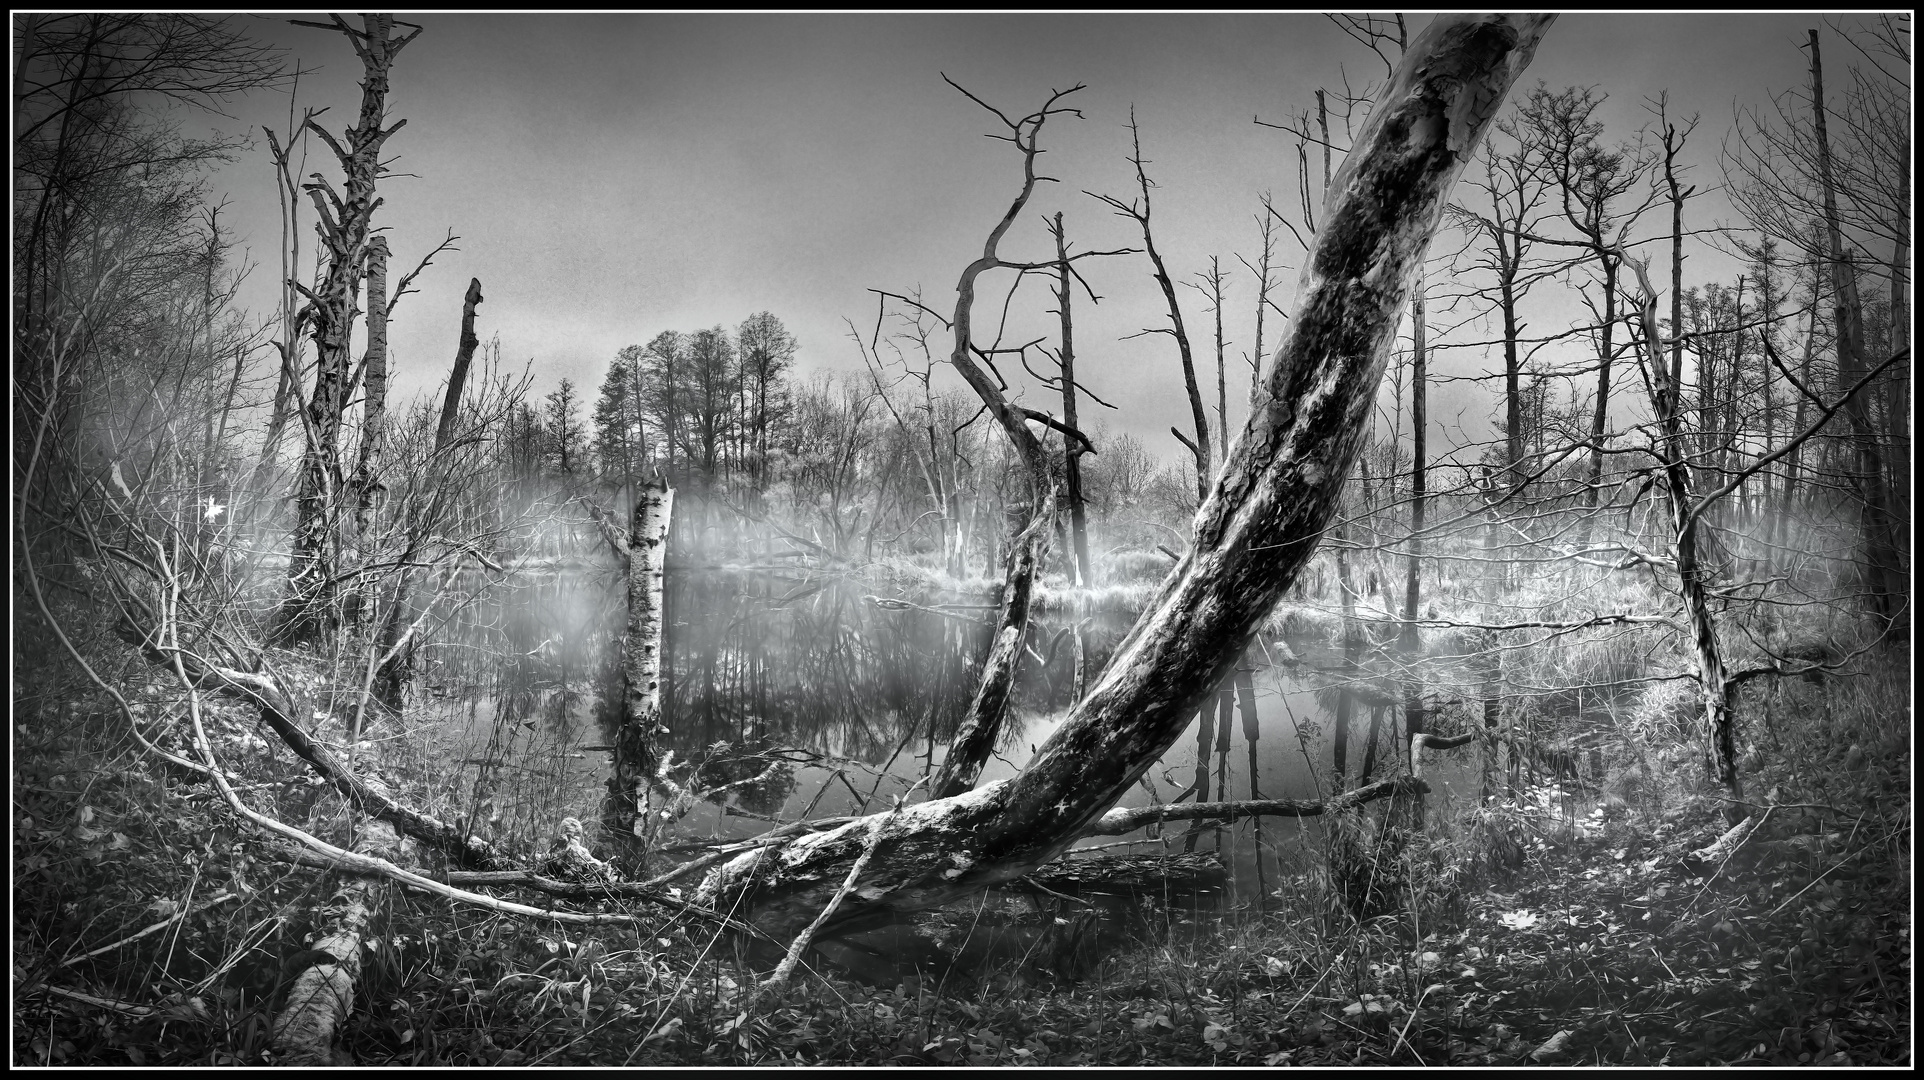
(1820, 877)
(104, 1003)
(800, 944)
(1661, 960)
(1406, 1025)
(1311, 990)
(161, 925)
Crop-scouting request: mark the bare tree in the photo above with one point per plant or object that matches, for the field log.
(1883, 565)
(1138, 210)
(1072, 449)
(976, 735)
(1589, 180)
(1265, 262)
(345, 224)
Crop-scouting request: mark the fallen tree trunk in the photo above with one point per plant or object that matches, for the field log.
(1112, 875)
(1254, 533)
(323, 994)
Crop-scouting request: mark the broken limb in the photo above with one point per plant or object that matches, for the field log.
(976, 738)
(800, 945)
(1119, 821)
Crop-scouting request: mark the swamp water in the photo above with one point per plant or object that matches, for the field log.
(853, 701)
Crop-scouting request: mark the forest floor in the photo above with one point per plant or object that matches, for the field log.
(150, 928)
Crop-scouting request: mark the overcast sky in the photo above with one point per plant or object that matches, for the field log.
(614, 176)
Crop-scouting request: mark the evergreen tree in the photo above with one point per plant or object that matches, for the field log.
(566, 440)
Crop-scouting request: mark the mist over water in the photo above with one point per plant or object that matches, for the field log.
(856, 700)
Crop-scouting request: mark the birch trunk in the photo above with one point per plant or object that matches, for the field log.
(367, 483)
(322, 997)
(635, 759)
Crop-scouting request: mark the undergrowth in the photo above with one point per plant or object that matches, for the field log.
(1543, 926)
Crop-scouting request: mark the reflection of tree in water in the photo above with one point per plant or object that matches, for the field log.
(763, 662)
(753, 664)
(534, 647)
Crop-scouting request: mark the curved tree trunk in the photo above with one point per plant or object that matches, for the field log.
(1254, 532)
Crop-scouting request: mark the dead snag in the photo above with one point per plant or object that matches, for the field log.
(397, 645)
(345, 225)
(975, 740)
(636, 764)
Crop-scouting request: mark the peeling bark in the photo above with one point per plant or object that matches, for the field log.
(322, 996)
(345, 223)
(1253, 534)
(367, 483)
(1692, 577)
(635, 760)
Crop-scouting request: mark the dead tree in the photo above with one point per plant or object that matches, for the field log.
(1072, 450)
(345, 222)
(1412, 643)
(1883, 565)
(1254, 532)
(1138, 210)
(396, 646)
(636, 765)
(1691, 573)
(976, 736)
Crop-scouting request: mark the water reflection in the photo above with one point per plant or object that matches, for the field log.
(858, 701)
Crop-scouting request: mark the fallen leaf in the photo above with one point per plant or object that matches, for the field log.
(662, 1032)
(1552, 1046)
(1519, 919)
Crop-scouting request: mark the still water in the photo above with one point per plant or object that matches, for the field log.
(855, 701)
